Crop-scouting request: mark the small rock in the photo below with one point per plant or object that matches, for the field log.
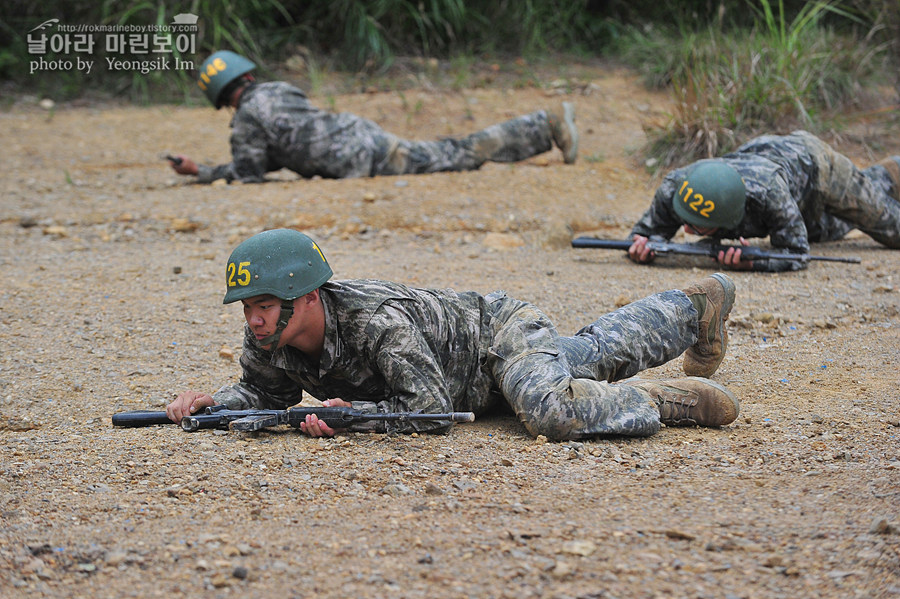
(561, 569)
(881, 526)
(622, 300)
(184, 225)
(396, 490)
(465, 484)
(116, 558)
(56, 230)
(679, 534)
(433, 489)
(579, 547)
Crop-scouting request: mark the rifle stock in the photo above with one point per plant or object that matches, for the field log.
(702, 249)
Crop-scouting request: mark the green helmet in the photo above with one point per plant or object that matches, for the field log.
(281, 262)
(220, 69)
(710, 195)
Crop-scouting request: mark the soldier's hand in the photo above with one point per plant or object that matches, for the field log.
(639, 252)
(315, 427)
(188, 403)
(336, 402)
(731, 258)
(185, 167)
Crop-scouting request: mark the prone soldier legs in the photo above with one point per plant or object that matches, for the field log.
(561, 387)
(511, 141)
(867, 199)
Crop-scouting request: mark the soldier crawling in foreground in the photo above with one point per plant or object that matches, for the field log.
(793, 188)
(275, 126)
(378, 346)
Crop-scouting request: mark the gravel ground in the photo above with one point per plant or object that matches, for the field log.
(111, 301)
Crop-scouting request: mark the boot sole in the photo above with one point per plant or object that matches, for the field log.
(730, 292)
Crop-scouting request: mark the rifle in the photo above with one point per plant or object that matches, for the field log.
(702, 249)
(253, 420)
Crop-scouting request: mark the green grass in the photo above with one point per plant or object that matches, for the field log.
(730, 84)
(753, 66)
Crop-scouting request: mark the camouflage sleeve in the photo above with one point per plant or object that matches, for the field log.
(786, 228)
(261, 386)
(659, 222)
(208, 174)
(249, 162)
(411, 371)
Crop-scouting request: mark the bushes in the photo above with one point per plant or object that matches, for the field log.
(780, 74)
(734, 66)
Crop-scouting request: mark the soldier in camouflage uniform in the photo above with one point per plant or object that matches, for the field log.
(276, 127)
(384, 347)
(795, 189)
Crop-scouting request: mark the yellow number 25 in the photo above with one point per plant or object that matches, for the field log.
(238, 276)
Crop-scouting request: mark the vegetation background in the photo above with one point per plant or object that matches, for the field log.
(734, 67)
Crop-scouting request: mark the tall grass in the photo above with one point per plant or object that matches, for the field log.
(781, 74)
(701, 59)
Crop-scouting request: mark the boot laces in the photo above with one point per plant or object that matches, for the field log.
(677, 409)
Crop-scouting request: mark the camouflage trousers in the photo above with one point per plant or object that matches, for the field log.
(565, 387)
(848, 197)
(514, 140)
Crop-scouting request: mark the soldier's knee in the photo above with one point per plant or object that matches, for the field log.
(561, 412)
(586, 408)
(554, 420)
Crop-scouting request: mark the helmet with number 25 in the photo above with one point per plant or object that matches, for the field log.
(710, 195)
(218, 71)
(281, 262)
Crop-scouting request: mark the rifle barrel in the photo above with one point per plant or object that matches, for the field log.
(603, 244)
(451, 417)
(849, 260)
(140, 418)
(750, 252)
(219, 417)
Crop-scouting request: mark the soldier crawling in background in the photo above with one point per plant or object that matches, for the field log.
(795, 189)
(276, 127)
(378, 346)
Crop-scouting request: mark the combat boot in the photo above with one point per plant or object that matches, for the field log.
(713, 297)
(691, 401)
(892, 166)
(564, 132)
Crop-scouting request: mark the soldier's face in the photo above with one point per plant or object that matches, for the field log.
(305, 329)
(703, 231)
(261, 313)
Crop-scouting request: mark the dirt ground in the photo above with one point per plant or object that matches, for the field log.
(112, 271)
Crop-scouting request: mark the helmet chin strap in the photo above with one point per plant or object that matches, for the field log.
(287, 310)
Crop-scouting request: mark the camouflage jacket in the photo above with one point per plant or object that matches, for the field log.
(778, 173)
(276, 127)
(388, 348)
